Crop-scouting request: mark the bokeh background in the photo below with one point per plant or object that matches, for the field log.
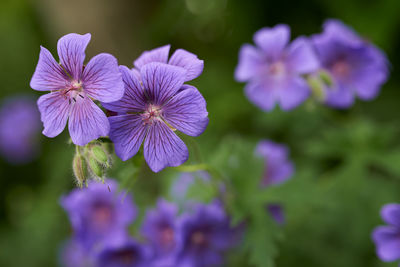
(347, 162)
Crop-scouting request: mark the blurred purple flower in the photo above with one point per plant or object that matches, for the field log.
(73, 254)
(355, 65)
(19, 128)
(387, 238)
(156, 102)
(73, 86)
(180, 58)
(99, 212)
(127, 253)
(160, 228)
(274, 69)
(277, 213)
(205, 233)
(278, 167)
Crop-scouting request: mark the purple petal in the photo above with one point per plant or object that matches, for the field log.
(163, 147)
(262, 96)
(391, 214)
(159, 54)
(87, 122)
(272, 40)
(134, 99)
(127, 132)
(294, 92)
(48, 75)
(71, 51)
(387, 242)
(336, 29)
(189, 62)
(339, 96)
(102, 79)
(249, 63)
(276, 212)
(54, 111)
(187, 112)
(277, 173)
(301, 57)
(162, 81)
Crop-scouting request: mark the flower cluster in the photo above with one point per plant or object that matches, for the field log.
(151, 101)
(100, 216)
(335, 65)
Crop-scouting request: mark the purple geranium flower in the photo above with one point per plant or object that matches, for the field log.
(274, 69)
(356, 66)
(73, 88)
(205, 234)
(73, 254)
(160, 228)
(155, 104)
(387, 238)
(19, 127)
(278, 168)
(99, 212)
(127, 253)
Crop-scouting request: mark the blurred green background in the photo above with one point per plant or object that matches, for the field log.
(347, 162)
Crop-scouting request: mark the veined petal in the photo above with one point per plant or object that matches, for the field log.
(189, 62)
(48, 75)
(163, 147)
(187, 112)
(133, 99)
(54, 111)
(127, 132)
(272, 40)
(250, 60)
(87, 121)
(159, 54)
(301, 57)
(162, 81)
(293, 92)
(71, 51)
(102, 79)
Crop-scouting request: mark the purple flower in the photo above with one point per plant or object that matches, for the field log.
(387, 238)
(274, 69)
(73, 254)
(160, 228)
(278, 168)
(19, 127)
(156, 102)
(128, 253)
(205, 234)
(356, 66)
(99, 212)
(180, 58)
(73, 86)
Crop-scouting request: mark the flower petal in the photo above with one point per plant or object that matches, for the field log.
(250, 60)
(159, 54)
(54, 111)
(102, 79)
(387, 242)
(127, 132)
(134, 99)
(87, 122)
(162, 81)
(163, 147)
(187, 112)
(272, 40)
(301, 56)
(48, 75)
(391, 214)
(292, 93)
(339, 96)
(261, 95)
(189, 62)
(71, 51)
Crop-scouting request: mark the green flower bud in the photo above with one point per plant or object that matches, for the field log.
(95, 167)
(100, 154)
(316, 87)
(80, 169)
(326, 78)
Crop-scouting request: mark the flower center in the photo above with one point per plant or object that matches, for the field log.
(277, 69)
(102, 215)
(151, 114)
(73, 91)
(341, 68)
(198, 238)
(125, 256)
(167, 236)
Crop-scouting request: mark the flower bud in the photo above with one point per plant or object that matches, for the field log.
(100, 154)
(326, 78)
(95, 167)
(317, 88)
(80, 169)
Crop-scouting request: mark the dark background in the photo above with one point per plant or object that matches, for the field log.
(348, 162)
